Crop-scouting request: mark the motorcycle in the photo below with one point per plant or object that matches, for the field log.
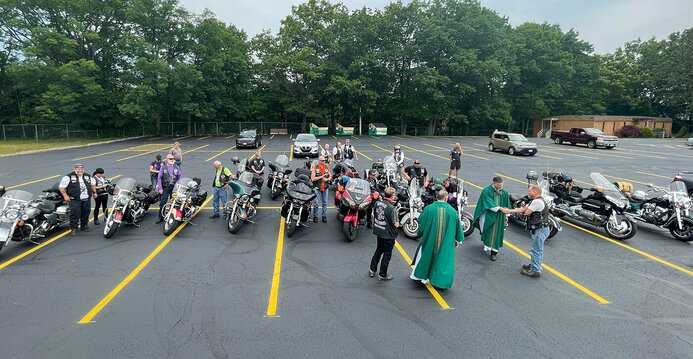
(519, 201)
(343, 169)
(605, 207)
(246, 196)
(411, 209)
(186, 199)
(461, 199)
(671, 210)
(131, 201)
(297, 203)
(278, 179)
(354, 199)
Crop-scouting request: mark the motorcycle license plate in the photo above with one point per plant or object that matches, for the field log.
(179, 215)
(119, 216)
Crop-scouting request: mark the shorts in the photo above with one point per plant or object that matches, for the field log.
(455, 165)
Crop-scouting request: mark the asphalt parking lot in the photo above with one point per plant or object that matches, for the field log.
(205, 293)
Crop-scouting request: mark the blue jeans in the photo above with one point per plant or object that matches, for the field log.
(164, 199)
(320, 196)
(155, 182)
(537, 250)
(219, 194)
(179, 163)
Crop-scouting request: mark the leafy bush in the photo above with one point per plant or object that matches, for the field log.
(646, 132)
(629, 131)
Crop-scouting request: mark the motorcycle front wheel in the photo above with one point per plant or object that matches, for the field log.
(467, 225)
(274, 194)
(625, 230)
(291, 229)
(234, 224)
(349, 231)
(410, 228)
(685, 233)
(170, 225)
(110, 228)
(553, 232)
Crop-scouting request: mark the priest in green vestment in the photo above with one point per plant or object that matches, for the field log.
(441, 231)
(488, 217)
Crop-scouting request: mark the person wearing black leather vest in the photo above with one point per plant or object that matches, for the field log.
(537, 213)
(77, 191)
(349, 151)
(100, 184)
(169, 175)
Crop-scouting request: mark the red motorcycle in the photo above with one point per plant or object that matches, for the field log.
(354, 198)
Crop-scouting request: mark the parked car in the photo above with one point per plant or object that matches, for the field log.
(689, 141)
(514, 143)
(249, 138)
(592, 137)
(305, 144)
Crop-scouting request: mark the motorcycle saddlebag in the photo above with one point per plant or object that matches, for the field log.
(200, 198)
(596, 205)
(285, 210)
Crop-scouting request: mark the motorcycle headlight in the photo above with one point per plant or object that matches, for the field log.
(245, 198)
(25, 217)
(11, 214)
(280, 175)
(174, 195)
(132, 202)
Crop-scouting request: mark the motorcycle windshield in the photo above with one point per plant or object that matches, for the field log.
(241, 167)
(12, 203)
(246, 178)
(125, 184)
(605, 185)
(282, 161)
(414, 189)
(390, 164)
(358, 189)
(181, 186)
(679, 191)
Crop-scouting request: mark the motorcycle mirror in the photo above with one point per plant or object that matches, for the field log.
(288, 172)
(650, 185)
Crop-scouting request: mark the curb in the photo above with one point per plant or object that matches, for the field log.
(71, 147)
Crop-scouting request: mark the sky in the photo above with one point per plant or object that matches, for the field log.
(606, 24)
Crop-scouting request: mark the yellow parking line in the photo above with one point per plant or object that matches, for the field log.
(487, 151)
(259, 149)
(92, 313)
(568, 152)
(101, 154)
(30, 182)
(142, 154)
(271, 137)
(510, 178)
(631, 248)
(180, 138)
(655, 175)
(397, 137)
(220, 153)
(443, 304)
(648, 154)
(203, 138)
(274, 291)
(360, 153)
(291, 155)
(464, 154)
(335, 137)
(156, 138)
(291, 135)
(376, 146)
(424, 152)
(467, 182)
(195, 149)
(561, 275)
(629, 180)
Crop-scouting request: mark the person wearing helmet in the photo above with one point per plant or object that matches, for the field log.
(398, 156)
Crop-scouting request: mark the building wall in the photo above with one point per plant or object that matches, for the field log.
(608, 124)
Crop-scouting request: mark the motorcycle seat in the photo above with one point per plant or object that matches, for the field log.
(46, 207)
(143, 186)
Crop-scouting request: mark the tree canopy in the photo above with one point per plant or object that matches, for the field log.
(444, 66)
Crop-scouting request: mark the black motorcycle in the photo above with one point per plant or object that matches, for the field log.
(671, 210)
(297, 203)
(519, 201)
(24, 218)
(131, 201)
(604, 207)
(186, 199)
(278, 179)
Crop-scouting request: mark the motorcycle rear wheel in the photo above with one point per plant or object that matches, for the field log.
(410, 229)
(110, 228)
(686, 233)
(349, 231)
(621, 234)
(467, 226)
(291, 229)
(170, 225)
(234, 223)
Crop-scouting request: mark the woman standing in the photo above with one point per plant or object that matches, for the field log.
(154, 169)
(100, 185)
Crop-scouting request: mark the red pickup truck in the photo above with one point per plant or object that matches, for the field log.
(592, 137)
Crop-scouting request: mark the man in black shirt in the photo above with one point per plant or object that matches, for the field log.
(455, 160)
(418, 172)
(258, 168)
(386, 224)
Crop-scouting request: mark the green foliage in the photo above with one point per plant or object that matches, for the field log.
(646, 132)
(440, 65)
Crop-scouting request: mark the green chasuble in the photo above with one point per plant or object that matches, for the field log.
(434, 260)
(491, 224)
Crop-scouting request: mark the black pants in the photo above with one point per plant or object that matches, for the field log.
(79, 213)
(384, 249)
(100, 202)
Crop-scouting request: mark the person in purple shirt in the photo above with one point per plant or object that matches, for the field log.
(154, 169)
(168, 176)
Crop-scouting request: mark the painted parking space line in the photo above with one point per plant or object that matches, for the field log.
(489, 152)
(467, 182)
(156, 138)
(360, 153)
(601, 153)
(384, 150)
(568, 152)
(195, 149)
(397, 137)
(274, 289)
(649, 154)
(443, 304)
(650, 256)
(220, 153)
(291, 153)
(424, 152)
(628, 180)
(271, 137)
(464, 154)
(30, 182)
(180, 138)
(100, 154)
(203, 138)
(560, 275)
(655, 175)
(102, 304)
(142, 154)
(254, 153)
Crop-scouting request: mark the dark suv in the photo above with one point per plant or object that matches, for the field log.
(249, 138)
